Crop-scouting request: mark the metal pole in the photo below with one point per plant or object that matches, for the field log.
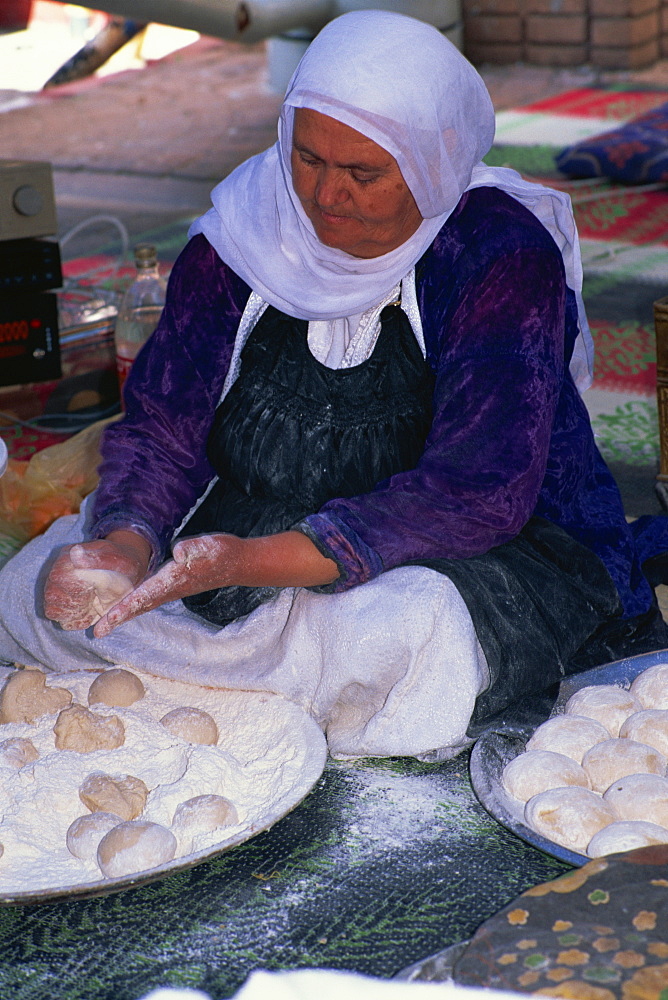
(95, 53)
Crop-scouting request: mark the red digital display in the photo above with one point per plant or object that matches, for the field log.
(28, 338)
(17, 329)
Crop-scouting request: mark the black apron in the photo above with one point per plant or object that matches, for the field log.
(292, 434)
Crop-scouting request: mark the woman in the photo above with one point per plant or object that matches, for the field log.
(357, 415)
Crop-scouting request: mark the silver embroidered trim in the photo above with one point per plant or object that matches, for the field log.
(409, 304)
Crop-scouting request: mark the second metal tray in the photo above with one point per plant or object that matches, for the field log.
(495, 749)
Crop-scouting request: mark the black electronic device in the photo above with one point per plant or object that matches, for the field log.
(29, 265)
(29, 346)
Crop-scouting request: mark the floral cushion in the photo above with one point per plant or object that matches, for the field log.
(599, 932)
(635, 153)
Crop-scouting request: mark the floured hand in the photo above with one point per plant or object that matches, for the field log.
(207, 562)
(88, 579)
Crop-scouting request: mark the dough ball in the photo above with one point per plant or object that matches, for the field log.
(106, 589)
(126, 797)
(536, 770)
(614, 759)
(606, 703)
(86, 832)
(649, 726)
(626, 835)
(571, 735)
(117, 688)
(640, 797)
(202, 814)
(192, 725)
(17, 751)
(25, 697)
(79, 729)
(135, 847)
(651, 687)
(569, 816)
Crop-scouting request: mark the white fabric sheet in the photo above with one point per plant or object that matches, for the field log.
(391, 668)
(329, 984)
(344, 343)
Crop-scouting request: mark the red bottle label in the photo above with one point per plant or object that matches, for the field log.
(123, 366)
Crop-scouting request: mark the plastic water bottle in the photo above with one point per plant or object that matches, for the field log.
(139, 311)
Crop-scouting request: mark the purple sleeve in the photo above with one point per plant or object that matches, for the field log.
(499, 361)
(154, 465)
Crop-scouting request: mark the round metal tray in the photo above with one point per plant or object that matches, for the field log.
(307, 741)
(494, 750)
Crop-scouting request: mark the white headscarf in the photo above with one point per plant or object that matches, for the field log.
(401, 83)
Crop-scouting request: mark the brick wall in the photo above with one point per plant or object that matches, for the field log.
(612, 34)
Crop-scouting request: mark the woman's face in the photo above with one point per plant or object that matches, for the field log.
(350, 187)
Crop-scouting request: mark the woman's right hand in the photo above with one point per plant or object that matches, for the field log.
(89, 578)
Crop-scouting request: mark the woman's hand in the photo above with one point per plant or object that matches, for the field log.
(88, 578)
(208, 562)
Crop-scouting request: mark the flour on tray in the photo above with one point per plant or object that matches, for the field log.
(268, 755)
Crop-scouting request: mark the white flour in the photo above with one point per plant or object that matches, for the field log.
(268, 756)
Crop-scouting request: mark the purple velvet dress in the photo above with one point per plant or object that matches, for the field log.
(510, 437)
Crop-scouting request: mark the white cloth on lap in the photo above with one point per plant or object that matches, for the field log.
(328, 984)
(390, 668)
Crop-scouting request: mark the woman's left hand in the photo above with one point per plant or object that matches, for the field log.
(208, 562)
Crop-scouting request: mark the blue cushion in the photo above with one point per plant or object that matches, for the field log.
(634, 153)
